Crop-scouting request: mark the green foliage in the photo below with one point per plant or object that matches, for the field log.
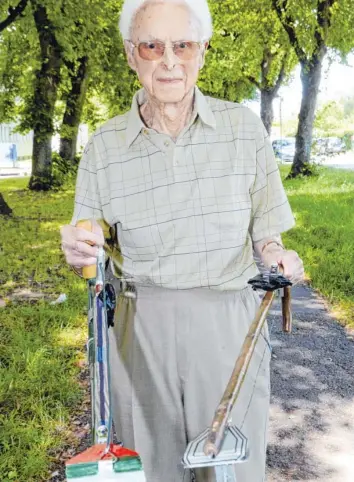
(64, 171)
(90, 30)
(249, 49)
(18, 63)
(314, 22)
(340, 33)
(348, 139)
(336, 119)
(40, 344)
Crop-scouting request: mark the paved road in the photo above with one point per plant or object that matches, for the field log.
(312, 407)
(24, 170)
(349, 167)
(342, 161)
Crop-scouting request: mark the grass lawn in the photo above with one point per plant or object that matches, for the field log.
(324, 235)
(41, 346)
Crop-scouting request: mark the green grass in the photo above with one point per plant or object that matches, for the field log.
(40, 344)
(324, 235)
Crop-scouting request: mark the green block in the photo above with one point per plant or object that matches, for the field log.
(81, 470)
(127, 464)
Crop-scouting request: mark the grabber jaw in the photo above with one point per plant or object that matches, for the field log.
(234, 450)
(95, 465)
(271, 280)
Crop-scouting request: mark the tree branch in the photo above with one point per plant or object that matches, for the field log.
(324, 18)
(282, 72)
(254, 81)
(14, 12)
(288, 23)
(266, 65)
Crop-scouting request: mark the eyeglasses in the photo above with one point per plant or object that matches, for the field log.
(155, 50)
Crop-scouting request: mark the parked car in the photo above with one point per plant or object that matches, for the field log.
(335, 145)
(284, 149)
(328, 146)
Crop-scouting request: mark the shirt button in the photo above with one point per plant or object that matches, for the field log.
(146, 132)
(167, 143)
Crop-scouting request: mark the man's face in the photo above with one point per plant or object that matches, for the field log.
(167, 79)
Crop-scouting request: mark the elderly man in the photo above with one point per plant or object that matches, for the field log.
(185, 188)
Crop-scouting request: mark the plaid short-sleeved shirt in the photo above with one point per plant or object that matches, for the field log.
(184, 214)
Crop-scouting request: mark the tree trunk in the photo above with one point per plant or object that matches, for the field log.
(267, 111)
(5, 209)
(311, 72)
(45, 96)
(73, 112)
(269, 89)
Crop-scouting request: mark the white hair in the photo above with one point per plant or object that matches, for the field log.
(199, 9)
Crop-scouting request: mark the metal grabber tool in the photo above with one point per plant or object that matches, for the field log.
(222, 445)
(104, 461)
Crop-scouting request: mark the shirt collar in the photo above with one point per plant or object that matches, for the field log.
(203, 109)
(135, 123)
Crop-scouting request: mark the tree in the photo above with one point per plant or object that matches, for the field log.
(74, 107)
(5, 209)
(101, 72)
(248, 50)
(269, 85)
(30, 77)
(44, 98)
(57, 52)
(313, 26)
(13, 13)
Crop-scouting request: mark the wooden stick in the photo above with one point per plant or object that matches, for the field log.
(88, 272)
(286, 310)
(216, 435)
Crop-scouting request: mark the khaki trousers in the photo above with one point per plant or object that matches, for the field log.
(172, 353)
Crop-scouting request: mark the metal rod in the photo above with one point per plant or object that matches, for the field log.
(217, 431)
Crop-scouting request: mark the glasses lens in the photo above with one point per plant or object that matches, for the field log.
(151, 50)
(186, 50)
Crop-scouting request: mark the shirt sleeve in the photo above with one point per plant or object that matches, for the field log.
(271, 212)
(87, 198)
(88, 202)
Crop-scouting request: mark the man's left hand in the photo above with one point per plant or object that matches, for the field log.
(292, 265)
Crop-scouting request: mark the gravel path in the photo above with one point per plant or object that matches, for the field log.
(312, 411)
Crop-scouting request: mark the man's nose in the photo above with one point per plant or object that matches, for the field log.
(169, 58)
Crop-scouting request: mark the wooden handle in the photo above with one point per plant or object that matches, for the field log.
(88, 272)
(286, 310)
(286, 306)
(217, 430)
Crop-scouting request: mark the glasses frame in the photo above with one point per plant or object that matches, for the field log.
(136, 46)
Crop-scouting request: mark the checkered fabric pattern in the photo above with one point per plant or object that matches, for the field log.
(184, 214)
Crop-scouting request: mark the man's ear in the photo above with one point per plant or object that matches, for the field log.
(129, 50)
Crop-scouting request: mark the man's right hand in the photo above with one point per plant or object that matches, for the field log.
(81, 246)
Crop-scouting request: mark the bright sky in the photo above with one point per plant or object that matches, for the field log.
(337, 81)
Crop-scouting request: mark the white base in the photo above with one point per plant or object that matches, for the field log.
(122, 477)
